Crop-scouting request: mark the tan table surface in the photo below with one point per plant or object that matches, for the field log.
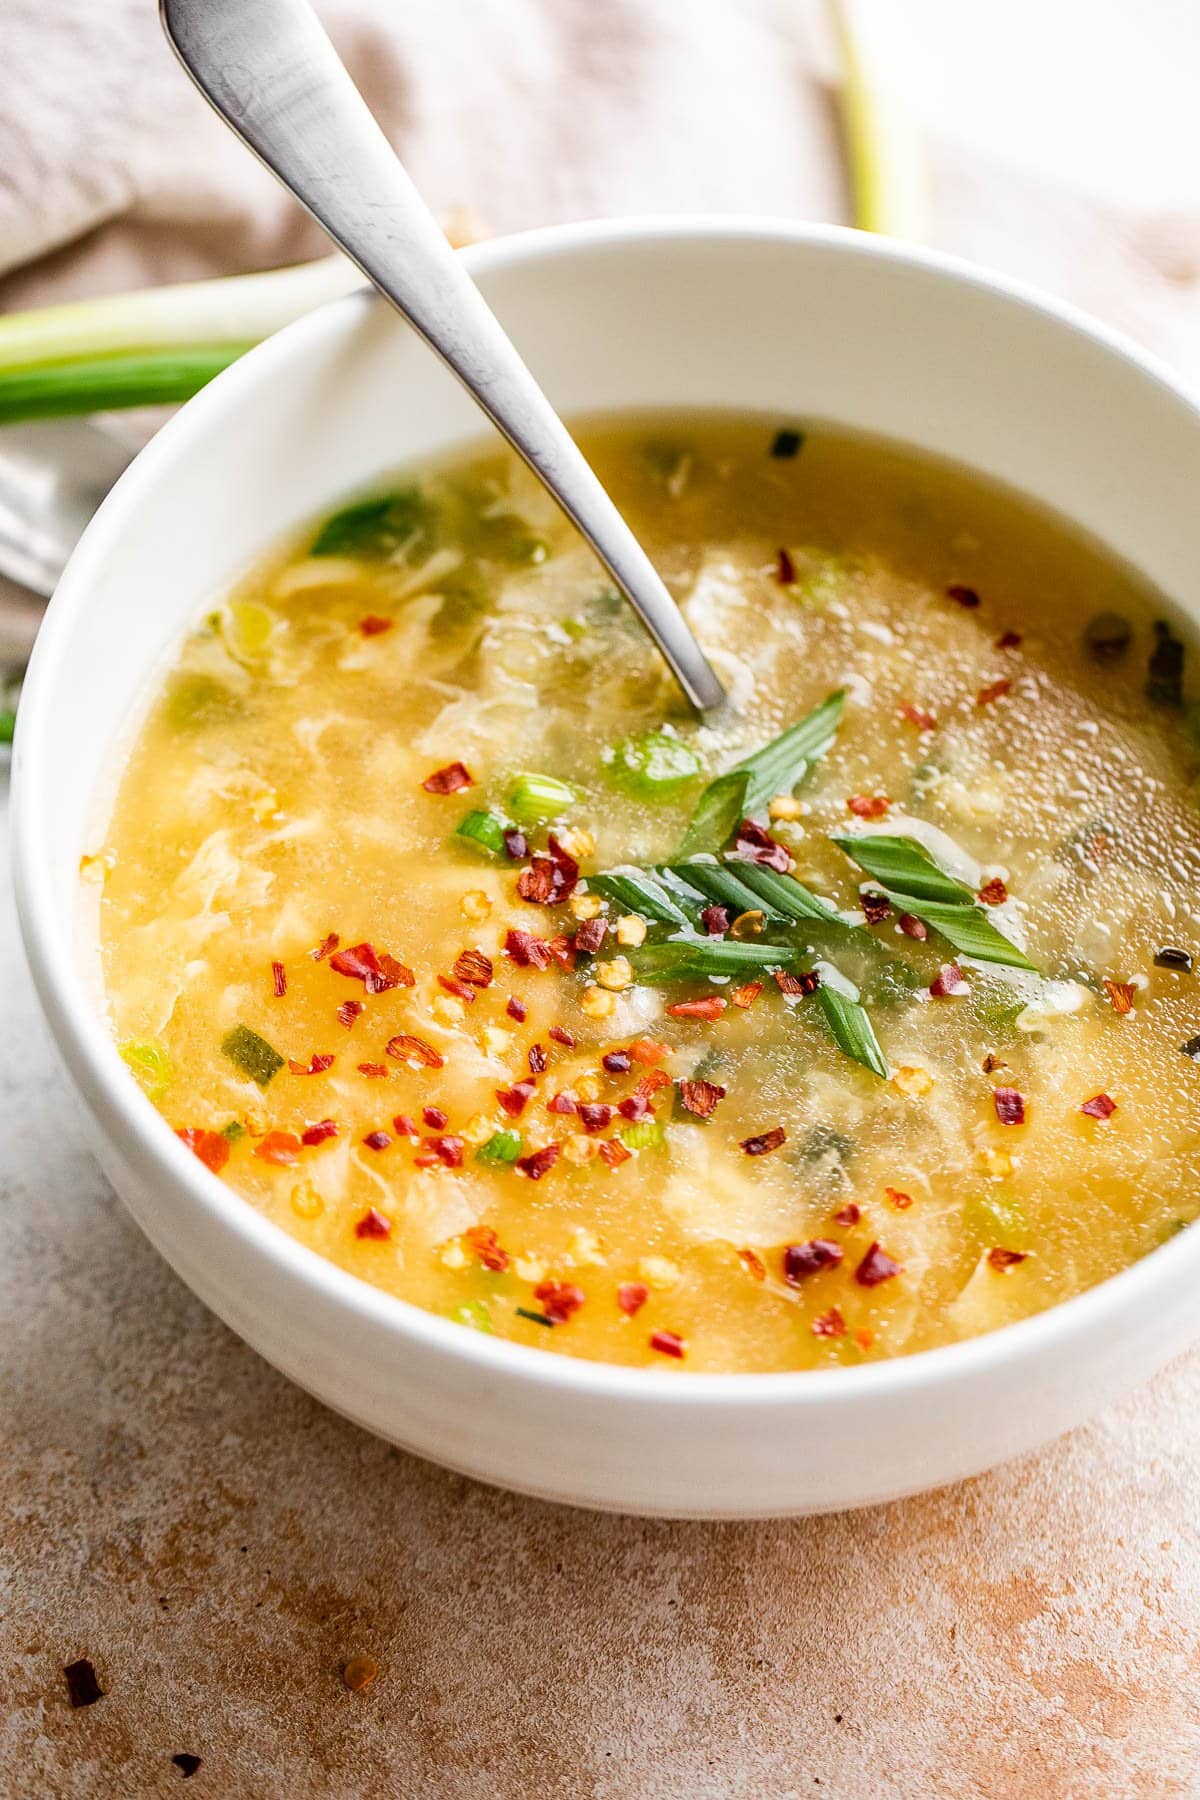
(218, 1544)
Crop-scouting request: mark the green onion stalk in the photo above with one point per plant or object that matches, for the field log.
(154, 347)
(883, 143)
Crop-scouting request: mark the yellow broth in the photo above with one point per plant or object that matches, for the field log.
(276, 796)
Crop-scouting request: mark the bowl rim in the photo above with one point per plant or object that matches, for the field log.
(126, 1113)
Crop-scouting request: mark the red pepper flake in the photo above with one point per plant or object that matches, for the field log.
(806, 982)
(755, 844)
(868, 806)
(1010, 1105)
(1009, 640)
(516, 845)
(966, 596)
(517, 1009)
(632, 1296)
(373, 1224)
(716, 920)
(483, 1240)
(212, 1147)
(763, 1144)
(536, 884)
(710, 1008)
(1122, 995)
(849, 1214)
(279, 978)
(317, 1134)
(316, 1065)
(1099, 1107)
(637, 1107)
(916, 715)
(434, 1117)
(279, 1147)
(565, 1102)
(590, 936)
(376, 1140)
(830, 1324)
(82, 1687)
(373, 1071)
(459, 989)
(948, 982)
(473, 967)
(515, 1099)
(899, 1199)
(701, 1097)
(614, 1153)
(876, 1266)
(864, 1338)
(447, 1150)
(747, 995)
(377, 971)
(912, 927)
(1004, 1260)
(562, 1036)
(552, 878)
(560, 1299)
(326, 947)
(537, 1060)
(668, 1343)
(414, 1051)
(991, 1062)
(404, 1125)
(785, 568)
(876, 907)
(450, 780)
(527, 950)
(375, 624)
(753, 1263)
(595, 1116)
(616, 1062)
(650, 1084)
(995, 690)
(993, 892)
(348, 1011)
(648, 1050)
(562, 950)
(538, 1162)
(801, 1260)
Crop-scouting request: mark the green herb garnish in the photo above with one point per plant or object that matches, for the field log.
(501, 1147)
(775, 769)
(149, 1063)
(849, 1022)
(720, 809)
(252, 1055)
(682, 958)
(535, 1318)
(647, 1134)
(8, 725)
(233, 1131)
(786, 896)
(535, 798)
(474, 1315)
(635, 892)
(652, 764)
(484, 828)
(720, 885)
(374, 529)
(914, 883)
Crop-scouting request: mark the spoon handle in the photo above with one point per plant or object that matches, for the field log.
(270, 71)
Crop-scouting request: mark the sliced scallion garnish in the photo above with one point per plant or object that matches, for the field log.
(535, 798)
(252, 1054)
(720, 808)
(848, 1020)
(635, 892)
(789, 898)
(719, 883)
(501, 1147)
(652, 764)
(914, 883)
(484, 828)
(748, 788)
(680, 959)
(647, 1134)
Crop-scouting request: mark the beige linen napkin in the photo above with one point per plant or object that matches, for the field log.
(1064, 138)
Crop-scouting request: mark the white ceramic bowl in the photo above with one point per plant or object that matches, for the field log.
(792, 321)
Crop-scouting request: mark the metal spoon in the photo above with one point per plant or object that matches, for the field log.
(269, 70)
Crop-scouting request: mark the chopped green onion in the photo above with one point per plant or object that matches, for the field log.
(475, 1315)
(848, 1021)
(535, 798)
(501, 1147)
(535, 1318)
(233, 1131)
(634, 892)
(679, 959)
(883, 142)
(775, 769)
(789, 898)
(484, 828)
(377, 528)
(8, 725)
(252, 1055)
(107, 383)
(901, 864)
(647, 1134)
(652, 764)
(149, 1063)
(914, 883)
(718, 884)
(721, 807)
